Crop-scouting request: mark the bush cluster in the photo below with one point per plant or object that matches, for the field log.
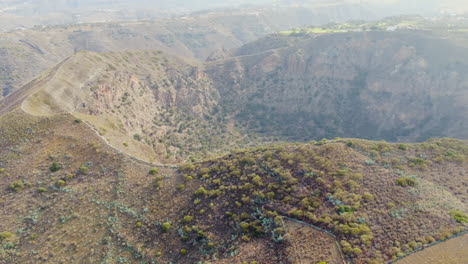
(405, 181)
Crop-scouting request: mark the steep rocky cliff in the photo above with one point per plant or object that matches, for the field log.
(26, 53)
(152, 105)
(404, 85)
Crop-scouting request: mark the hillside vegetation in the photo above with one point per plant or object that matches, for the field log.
(381, 200)
(147, 157)
(387, 85)
(80, 201)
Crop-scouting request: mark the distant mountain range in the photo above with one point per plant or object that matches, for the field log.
(25, 14)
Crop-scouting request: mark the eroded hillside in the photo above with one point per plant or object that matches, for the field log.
(26, 53)
(391, 85)
(406, 85)
(151, 105)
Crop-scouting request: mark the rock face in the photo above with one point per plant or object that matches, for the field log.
(397, 86)
(151, 97)
(406, 85)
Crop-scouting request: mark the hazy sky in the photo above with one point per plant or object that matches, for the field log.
(16, 14)
(57, 5)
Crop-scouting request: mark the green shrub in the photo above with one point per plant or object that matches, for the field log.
(180, 187)
(245, 238)
(5, 235)
(429, 240)
(78, 121)
(201, 234)
(203, 171)
(154, 171)
(55, 167)
(157, 182)
(188, 218)
(83, 169)
(352, 184)
(247, 160)
(405, 181)
(279, 230)
(69, 176)
(367, 239)
(217, 181)
(17, 186)
(347, 249)
(201, 191)
(257, 180)
(41, 190)
(187, 178)
(368, 196)
(60, 183)
(183, 251)
(357, 251)
(187, 167)
(244, 226)
(459, 216)
(166, 227)
(356, 176)
(344, 209)
(403, 147)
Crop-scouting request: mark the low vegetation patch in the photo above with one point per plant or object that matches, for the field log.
(459, 216)
(55, 167)
(405, 181)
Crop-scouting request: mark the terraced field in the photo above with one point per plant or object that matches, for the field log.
(453, 251)
(308, 245)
